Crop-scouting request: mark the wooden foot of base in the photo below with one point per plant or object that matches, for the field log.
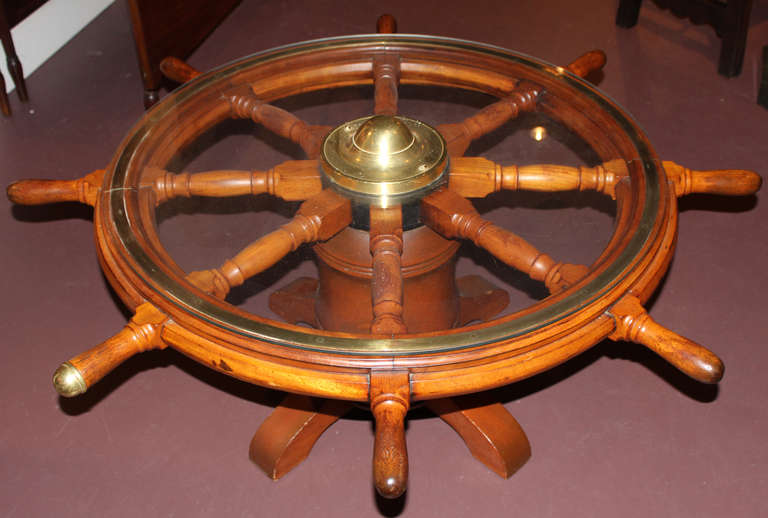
(492, 435)
(286, 437)
(296, 302)
(479, 299)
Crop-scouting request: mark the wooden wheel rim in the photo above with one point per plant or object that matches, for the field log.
(550, 331)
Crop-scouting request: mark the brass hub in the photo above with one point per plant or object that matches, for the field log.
(384, 160)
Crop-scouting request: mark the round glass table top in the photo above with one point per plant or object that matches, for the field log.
(200, 179)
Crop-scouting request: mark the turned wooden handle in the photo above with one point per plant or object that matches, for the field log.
(587, 63)
(386, 24)
(633, 323)
(730, 182)
(75, 376)
(390, 453)
(390, 400)
(177, 70)
(39, 192)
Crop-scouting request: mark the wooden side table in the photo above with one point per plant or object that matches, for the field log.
(171, 28)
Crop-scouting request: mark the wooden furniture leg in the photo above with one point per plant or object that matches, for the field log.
(762, 96)
(14, 65)
(733, 30)
(5, 105)
(492, 435)
(171, 28)
(287, 436)
(628, 13)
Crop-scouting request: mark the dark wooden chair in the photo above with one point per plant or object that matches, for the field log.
(171, 28)
(730, 20)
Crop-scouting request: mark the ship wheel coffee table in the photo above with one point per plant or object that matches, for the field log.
(385, 202)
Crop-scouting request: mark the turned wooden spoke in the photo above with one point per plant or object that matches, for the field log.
(177, 70)
(476, 177)
(458, 136)
(318, 219)
(386, 72)
(292, 180)
(454, 217)
(634, 324)
(386, 244)
(280, 122)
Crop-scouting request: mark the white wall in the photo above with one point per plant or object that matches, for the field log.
(46, 30)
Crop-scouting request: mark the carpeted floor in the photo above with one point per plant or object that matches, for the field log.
(614, 432)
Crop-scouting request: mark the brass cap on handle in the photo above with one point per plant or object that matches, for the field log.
(68, 381)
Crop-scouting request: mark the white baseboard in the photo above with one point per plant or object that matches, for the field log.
(45, 31)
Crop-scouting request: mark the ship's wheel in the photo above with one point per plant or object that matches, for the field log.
(385, 202)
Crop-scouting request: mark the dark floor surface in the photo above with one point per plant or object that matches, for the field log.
(615, 432)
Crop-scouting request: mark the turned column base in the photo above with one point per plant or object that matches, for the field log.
(478, 300)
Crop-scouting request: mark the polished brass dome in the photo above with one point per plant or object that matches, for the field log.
(384, 159)
(383, 136)
(68, 381)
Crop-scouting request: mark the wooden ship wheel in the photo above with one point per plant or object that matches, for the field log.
(384, 201)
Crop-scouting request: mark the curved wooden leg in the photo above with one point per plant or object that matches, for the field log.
(296, 302)
(492, 435)
(479, 299)
(286, 437)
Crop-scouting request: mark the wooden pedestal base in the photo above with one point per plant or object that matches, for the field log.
(286, 437)
(478, 300)
(492, 435)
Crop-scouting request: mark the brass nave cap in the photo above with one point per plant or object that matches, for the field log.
(384, 158)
